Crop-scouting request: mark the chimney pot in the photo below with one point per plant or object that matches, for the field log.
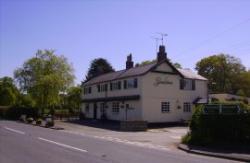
(161, 55)
(129, 62)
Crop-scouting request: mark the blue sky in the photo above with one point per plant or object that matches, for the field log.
(86, 29)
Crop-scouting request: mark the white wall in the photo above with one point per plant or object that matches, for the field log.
(132, 114)
(153, 95)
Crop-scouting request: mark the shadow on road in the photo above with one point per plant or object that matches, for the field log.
(115, 125)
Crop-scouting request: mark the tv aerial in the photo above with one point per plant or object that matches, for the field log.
(156, 42)
(162, 35)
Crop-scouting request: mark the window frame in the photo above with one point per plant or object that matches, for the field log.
(165, 107)
(187, 108)
(115, 107)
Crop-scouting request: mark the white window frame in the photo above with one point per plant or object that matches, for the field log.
(187, 107)
(165, 107)
(115, 108)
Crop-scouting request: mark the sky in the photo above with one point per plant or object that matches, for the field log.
(83, 30)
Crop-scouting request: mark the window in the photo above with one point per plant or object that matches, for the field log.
(186, 107)
(130, 83)
(165, 107)
(115, 107)
(187, 84)
(87, 90)
(102, 107)
(102, 87)
(87, 108)
(115, 85)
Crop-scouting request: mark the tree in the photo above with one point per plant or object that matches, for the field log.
(44, 77)
(221, 70)
(8, 92)
(241, 84)
(74, 98)
(98, 67)
(147, 62)
(177, 65)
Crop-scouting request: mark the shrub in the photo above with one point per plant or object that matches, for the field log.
(15, 112)
(30, 120)
(39, 121)
(218, 128)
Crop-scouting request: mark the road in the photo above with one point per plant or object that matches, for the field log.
(24, 143)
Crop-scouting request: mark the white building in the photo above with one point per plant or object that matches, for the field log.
(157, 92)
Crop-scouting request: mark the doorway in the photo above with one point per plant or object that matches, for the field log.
(95, 111)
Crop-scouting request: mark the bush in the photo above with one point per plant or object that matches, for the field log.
(30, 120)
(39, 121)
(15, 112)
(218, 128)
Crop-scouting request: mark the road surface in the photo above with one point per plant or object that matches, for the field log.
(22, 143)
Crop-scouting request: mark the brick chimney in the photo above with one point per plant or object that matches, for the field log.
(161, 55)
(129, 62)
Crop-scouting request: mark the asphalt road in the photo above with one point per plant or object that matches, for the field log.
(21, 143)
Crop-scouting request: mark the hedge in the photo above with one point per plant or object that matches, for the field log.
(15, 112)
(218, 128)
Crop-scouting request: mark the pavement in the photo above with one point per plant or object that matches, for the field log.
(162, 137)
(25, 143)
(232, 154)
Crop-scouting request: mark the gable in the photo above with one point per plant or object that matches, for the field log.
(164, 67)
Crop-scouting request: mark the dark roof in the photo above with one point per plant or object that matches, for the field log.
(141, 70)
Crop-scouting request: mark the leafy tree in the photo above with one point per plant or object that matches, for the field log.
(98, 67)
(74, 98)
(44, 77)
(8, 91)
(147, 62)
(221, 70)
(177, 65)
(241, 84)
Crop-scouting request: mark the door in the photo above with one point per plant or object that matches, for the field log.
(95, 111)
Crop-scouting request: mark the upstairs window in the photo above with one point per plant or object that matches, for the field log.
(130, 83)
(165, 107)
(187, 84)
(115, 85)
(87, 90)
(187, 107)
(102, 87)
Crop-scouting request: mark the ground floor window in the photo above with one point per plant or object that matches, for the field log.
(186, 107)
(115, 107)
(165, 107)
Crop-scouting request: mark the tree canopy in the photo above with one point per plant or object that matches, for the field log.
(225, 73)
(147, 62)
(98, 67)
(44, 77)
(73, 98)
(8, 92)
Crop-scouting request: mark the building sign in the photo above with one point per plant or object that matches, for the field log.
(160, 80)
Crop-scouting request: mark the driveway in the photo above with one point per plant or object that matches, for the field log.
(161, 137)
